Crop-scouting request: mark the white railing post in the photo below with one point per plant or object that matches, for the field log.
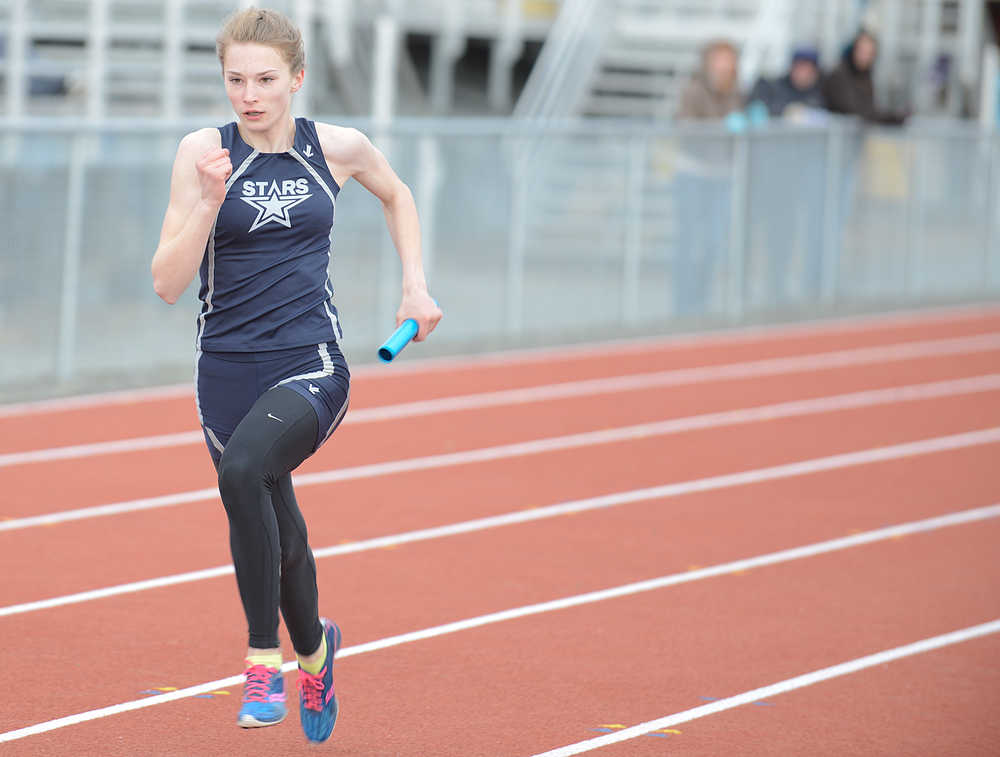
(97, 42)
(386, 52)
(988, 142)
(517, 238)
(831, 32)
(339, 14)
(833, 213)
(428, 184)
(70, 294)
(304, 12)
(930, 44)
(172, 58)
(913, 252)
(17, 54)
(636, 182)
(505, 50)
(889, 42)
(446, 48)
(970, 24)
(737, 223)
(989, 88)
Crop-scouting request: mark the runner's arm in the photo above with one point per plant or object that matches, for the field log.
(197, 189)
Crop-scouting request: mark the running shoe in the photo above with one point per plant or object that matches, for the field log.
(263, 698)
(317, 701)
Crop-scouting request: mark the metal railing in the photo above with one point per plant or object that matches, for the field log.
(621, 227)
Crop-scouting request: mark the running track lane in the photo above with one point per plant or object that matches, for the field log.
(461, 493)
(82, 483)
(112, 550)
(496, 568)
(870, 712)
(835, 502)
(112, 477)
(510, 688)
(35, 430)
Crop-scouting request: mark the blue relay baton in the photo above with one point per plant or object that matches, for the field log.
(399, 339)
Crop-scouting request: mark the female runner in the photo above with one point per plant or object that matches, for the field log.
(252, 208)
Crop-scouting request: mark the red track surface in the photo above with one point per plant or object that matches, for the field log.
(523, 686)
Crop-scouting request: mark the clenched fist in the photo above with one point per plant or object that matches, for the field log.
(214, 168)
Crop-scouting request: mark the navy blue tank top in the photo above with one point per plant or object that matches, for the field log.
(265, 281)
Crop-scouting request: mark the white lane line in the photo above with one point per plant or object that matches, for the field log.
(789, 684)
(134, 444)
(102, 399)
(665, 491)
(634, 345)
(854, 400)
(563, 390)
(773, 558)
(889, 319)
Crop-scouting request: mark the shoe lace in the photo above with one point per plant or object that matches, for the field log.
(258, 684)
(311, 689)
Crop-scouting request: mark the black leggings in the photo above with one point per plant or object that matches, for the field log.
(267, 534)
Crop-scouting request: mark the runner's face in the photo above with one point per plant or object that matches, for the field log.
(259, 84)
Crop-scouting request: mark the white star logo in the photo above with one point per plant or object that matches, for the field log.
(274, 207)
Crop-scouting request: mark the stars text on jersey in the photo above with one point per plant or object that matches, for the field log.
(273, 201)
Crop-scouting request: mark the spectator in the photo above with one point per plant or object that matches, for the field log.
(787, 184)
(801, 86)
(849, 88)
(713, 92)
(702, 190)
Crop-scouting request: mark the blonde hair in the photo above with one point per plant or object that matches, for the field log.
(265, 27)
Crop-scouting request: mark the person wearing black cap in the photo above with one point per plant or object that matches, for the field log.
(799, 87)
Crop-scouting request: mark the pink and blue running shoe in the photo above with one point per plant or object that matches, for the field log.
(263, 698)
(318, 706)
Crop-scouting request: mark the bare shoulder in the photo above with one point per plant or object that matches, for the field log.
(341, 144)
(184, 177)
(196, 143)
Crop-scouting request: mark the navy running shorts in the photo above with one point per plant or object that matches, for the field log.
(227, 384)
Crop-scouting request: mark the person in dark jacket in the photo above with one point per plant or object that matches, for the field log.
(800, 86)
(849, 88)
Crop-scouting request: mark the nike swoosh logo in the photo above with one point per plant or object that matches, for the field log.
(275, 418)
